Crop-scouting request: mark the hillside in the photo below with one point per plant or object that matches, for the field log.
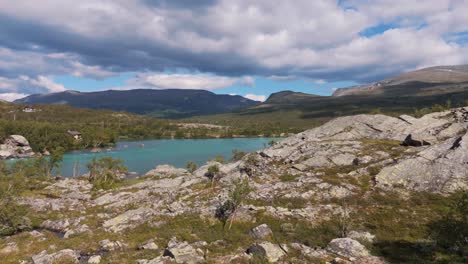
(355, 190)
(428, 81)
(171, 103)
(418, 92)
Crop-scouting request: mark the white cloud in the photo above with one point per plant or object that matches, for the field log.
(188, 81)
(256, 97)
(21, 86)
(305, 39)
(11, 96)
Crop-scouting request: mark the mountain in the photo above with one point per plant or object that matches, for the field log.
(428, 81)
(170, 103)
(285, 97)
(414, 92)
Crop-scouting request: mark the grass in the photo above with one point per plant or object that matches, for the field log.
(287, 178)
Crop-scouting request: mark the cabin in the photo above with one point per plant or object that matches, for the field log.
(29, 109)
(75, 134)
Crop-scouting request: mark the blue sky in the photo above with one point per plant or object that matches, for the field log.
(249, 48)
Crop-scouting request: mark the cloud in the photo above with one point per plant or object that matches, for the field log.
(11, 96)
(225, 40)
(21, 86)
(187, 81)
(255, 97)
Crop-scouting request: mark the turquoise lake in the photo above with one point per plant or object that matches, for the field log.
(142, 156)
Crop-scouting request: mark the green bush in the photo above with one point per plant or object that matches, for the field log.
(12, 215)
(105, 172)
(191, 166)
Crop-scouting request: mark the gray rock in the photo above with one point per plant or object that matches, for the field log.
(344, 159)
(310, 252)
(17, 140)
(267, 250)
(128, 219)
(57, 225)
(158, 260)
(166, 171)
(94, 259)
(347, 247)
(440, 168)
(183, 252)
(11, 247)
(59, 257)
(15, 146)
(261, 232)
(361, 236)
(149, 245)
(109, 245)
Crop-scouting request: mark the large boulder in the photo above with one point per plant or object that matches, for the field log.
(267, 250)
(15, 146)
(347, 247)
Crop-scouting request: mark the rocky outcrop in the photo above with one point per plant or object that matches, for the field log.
(318, 178)
(440, 168)
(15, 146)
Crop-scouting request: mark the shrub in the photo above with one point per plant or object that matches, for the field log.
(12, 215)
(191, 166)
(212, 173)
(287, 178)
(237, 195)
(237, 155)
(219, 159)
(105, 172)
(451, 231)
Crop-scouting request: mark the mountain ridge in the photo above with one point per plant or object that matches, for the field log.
(172, 103)
(432, 76)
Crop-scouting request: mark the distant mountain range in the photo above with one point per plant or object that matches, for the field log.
(402, 94)
(170, 103)
(428, 81)
(399, 94)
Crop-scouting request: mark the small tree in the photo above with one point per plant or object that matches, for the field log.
(191, 166)
(12, 215)
(212, 173)
(237, 195)
(106, 171)
(344, 219)
(47, 165)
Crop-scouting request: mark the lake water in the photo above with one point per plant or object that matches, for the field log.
(142, 156)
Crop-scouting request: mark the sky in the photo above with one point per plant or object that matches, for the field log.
(249, 48)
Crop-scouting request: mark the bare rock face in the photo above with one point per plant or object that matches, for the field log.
(440, 168)
(430, 128)
(63, 256)
(15, 146)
